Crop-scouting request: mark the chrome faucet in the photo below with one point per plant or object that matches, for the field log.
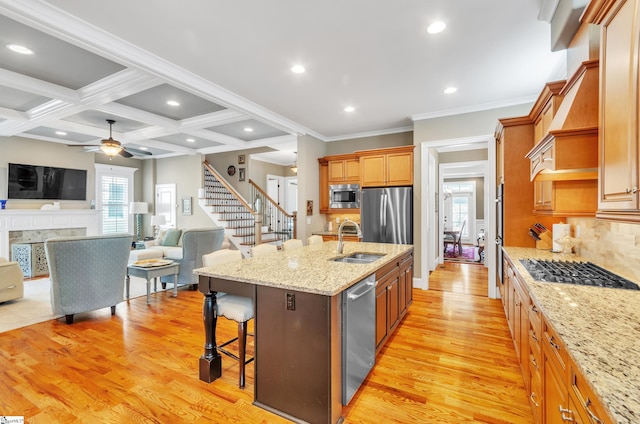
(340, 243)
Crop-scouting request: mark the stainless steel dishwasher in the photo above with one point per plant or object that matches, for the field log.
(358, 335)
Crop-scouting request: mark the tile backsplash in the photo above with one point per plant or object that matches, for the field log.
(613, 245)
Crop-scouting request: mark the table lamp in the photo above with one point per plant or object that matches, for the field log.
(157, 221)
(137, 209)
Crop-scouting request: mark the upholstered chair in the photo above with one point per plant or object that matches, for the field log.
(11, 281)
(87, 273)
(291, 244)
(314, 239)
(235, 308)
(263, 249)
(195, 243)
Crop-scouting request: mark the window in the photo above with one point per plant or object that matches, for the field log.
(460, 206)
(114, 191)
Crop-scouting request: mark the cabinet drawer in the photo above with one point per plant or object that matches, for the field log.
(535, 395)
(554, 348)
(585, 398)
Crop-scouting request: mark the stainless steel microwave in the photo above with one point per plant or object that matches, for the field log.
(344, 196)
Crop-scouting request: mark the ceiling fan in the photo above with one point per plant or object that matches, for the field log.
(111, 147)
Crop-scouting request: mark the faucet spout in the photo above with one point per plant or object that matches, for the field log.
(340, 242)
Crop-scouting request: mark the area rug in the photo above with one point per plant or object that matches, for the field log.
(35, 306)
(468, 254)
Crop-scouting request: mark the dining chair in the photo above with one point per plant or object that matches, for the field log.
(314, 239)
(455, 238)
(263, 249)
(234, 308)
(291, 244)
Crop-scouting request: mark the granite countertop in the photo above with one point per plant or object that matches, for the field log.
(600, 328)
(308, 269)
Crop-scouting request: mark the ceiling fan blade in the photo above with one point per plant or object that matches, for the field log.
(125, 154)
(137, 152)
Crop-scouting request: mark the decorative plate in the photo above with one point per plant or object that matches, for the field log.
(148, 263)
(231, 170)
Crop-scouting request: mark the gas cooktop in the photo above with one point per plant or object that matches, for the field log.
(582, 273)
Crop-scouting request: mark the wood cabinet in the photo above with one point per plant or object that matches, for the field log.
(394, 285)
(343, 169)
(386, 167)
(619, 161)
(558, 391)
(323, 190)
(545, 109)
(334, 237)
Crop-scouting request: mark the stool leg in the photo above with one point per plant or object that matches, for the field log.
(242, 347)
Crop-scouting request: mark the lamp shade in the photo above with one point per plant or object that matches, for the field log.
(157, 220)
(138, 207)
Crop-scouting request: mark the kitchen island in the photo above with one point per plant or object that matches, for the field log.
(600, 330)
(298, 322)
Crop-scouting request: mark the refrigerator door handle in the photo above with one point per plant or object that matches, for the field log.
(383, 217)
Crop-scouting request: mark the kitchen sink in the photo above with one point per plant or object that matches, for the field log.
(358, 258)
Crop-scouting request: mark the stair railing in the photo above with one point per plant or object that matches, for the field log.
(244, 216)
(277, 220)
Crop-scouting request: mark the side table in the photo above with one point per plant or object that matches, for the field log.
(153, 272)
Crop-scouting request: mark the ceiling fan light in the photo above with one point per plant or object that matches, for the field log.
(110, 148)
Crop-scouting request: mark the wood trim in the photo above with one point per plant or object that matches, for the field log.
(582, 69)
(345, 156)
(568, 175)
(596, 11)
(550, 89)
(385, 151)
(631, 217)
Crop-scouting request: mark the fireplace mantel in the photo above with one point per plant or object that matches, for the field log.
(36, 219)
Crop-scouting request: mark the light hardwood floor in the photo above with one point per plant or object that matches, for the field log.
(450, 361)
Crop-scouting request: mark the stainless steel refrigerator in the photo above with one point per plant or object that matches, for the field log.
(386, 215)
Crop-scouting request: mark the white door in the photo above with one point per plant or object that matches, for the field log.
(166, 203)
(291, 194)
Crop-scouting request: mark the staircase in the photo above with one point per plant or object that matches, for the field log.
(244, 226)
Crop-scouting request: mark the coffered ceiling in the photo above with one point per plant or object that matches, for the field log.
(228, 66)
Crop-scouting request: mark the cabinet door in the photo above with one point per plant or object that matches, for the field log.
(399, 169)
(336, 171)
(372, 170)
(618, 112)
(392, 303)
(555, 395)
(324, 188)
(543, 195)
(352, 170)
(381, 315)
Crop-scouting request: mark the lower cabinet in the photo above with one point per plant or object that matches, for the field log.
(557, 390)
(394, 286)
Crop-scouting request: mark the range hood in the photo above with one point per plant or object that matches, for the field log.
(569, 150)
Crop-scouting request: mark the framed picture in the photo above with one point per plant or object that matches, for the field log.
(241, 159)
(186, 206)
(240, 174)
(309, 207)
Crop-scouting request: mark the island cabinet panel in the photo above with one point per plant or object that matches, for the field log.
(619, 160)
(299, 368)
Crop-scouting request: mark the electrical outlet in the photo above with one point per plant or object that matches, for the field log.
(291, 302)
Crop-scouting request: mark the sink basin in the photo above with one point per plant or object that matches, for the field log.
(358, 258)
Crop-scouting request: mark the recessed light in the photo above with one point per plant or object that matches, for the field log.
(173, 103)
(144, 148)
(248, 129)
(19, 49)
(450, 90)
(191, 140)
(436, 27)
(61, 133)
(349, 109)
(298, 69)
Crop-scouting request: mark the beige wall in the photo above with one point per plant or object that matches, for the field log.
(449, 127)
(367, 143)
(309, 150)
(37, 152)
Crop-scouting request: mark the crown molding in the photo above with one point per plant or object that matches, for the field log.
(475, 108)
(368, 134)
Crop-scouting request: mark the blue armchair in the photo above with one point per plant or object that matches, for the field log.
(195, 243)
(87, 273)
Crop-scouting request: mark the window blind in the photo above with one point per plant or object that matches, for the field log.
(115, 204)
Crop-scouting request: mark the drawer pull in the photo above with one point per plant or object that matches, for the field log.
(534, 309)
(554, 344)
(562, 414)
(593, 417)
(534, 363)
(533, 399)
(533, 336)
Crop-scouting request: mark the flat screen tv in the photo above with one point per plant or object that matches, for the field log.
(46, 182)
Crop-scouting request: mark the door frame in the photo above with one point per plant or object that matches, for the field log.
(429, 192)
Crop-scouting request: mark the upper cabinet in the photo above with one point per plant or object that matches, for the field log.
(564, 161)
(344, 169)
(386, 167)
(324, 185)
(618, 188)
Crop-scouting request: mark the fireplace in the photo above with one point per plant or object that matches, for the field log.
(32, 226)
